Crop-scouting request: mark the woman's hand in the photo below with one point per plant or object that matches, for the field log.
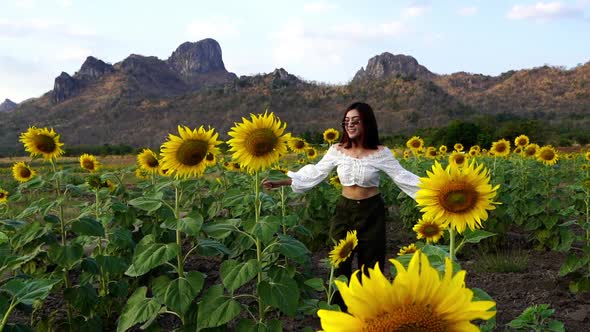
(268, 184)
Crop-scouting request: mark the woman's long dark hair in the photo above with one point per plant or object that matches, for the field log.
(370, 138)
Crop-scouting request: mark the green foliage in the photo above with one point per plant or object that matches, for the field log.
(502, 261)
(537, 318)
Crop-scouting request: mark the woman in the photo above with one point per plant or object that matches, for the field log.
(358, 158)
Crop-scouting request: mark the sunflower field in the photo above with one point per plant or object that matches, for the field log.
(186, 238)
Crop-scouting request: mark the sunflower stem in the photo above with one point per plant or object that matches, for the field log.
(283, 211)
(452, 243)
(330, 284)
(180, 260)
(258, 243)
(63, 236)
(103, 281)
(13, 305)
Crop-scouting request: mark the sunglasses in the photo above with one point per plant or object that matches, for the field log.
(351, 123)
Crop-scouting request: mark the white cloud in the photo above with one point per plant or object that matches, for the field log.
(467, 11)
(362, 31)
(314, 52)
(415, 10)
(18, 87)
(215, 27)
(545, 11)
(34, 27)
(64, 3)
(319, 7)
(295, 43)
(27, 4)
(72, 53)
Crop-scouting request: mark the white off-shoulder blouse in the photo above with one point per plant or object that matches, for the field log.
(363, 172)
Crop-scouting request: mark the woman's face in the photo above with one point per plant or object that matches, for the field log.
(353, 125)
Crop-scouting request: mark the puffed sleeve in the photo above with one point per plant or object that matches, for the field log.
(311, 175)
(404, 179)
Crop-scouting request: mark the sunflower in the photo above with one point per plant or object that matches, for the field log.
(343, 249)
(517, 150)
(429, 229)
(148, 161)
(458, 147)
(210, 159)
(232, 166)
(547, 155)
(431, 152)
(473, 153)
(569, 156)
(110, 185)
(476, 148)
(3, 196)
(297, 144)
(418, 299)
(22, 172)
(335, 181)
(501, 148)
(442, 149)
(587, 155)
(89, 162)
(585, 167)
(311, 153)
(407, 154)
(331, 135)
(415, 144)
(141, 173)
(458, 159)
(257, 144)
(163, 171)
(521, 141)
(406, 250)
(531, 150)
(42, 142)
(185, 155)
(459, 197)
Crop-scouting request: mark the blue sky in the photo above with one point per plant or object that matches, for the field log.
(324, 41)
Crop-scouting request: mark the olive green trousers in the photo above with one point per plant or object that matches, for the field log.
(367, 217)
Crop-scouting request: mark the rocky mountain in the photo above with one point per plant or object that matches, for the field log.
(387, 65)
(142, 99)
(7, 106)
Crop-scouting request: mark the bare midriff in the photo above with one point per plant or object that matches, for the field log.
(358, 193)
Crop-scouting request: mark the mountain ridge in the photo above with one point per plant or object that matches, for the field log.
(141, 99)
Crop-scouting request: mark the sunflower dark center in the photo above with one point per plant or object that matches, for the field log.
(299, 144)
(88, 164)
(501, 148)
(45, 143)
(458, 197)
(530, 151)
(192, 152)
(151, 161)
(2, 195)
(331, 136)
(410, 318)
(261, 142)
(430, 230)
(415, 144)
(459, 159)
(311, 152)
(521, 142)
(346, 249)
(24, 172)
(210, 156)
(547, 155)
